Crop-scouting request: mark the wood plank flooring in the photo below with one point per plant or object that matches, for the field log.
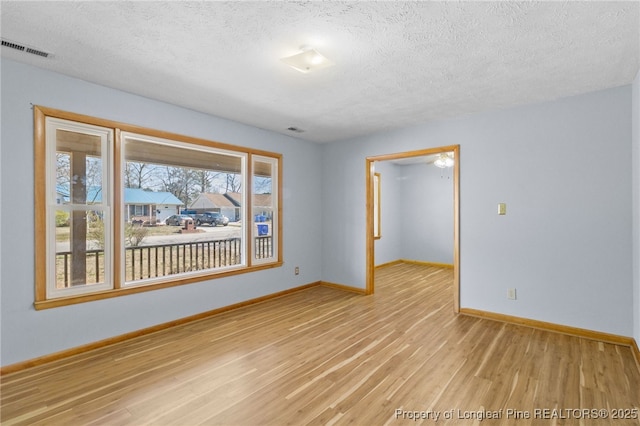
(324, 356)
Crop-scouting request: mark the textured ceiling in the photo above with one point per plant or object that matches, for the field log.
(397, 63)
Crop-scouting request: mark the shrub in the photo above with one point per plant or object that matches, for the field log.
(134, 234)
(62, 218)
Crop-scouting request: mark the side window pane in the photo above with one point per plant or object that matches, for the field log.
(181, 209)
(78, 215)
(264, 208)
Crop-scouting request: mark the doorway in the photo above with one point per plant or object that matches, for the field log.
(373, 209)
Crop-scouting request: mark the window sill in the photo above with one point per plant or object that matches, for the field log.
(72, 300)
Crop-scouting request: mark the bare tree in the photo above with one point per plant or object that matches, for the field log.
(233, 182)
(138, 175)
(204, 179)
(63, 169)
(93, 173)
(262, 185)
(181, 182)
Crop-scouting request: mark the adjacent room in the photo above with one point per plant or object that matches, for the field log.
(338, 212)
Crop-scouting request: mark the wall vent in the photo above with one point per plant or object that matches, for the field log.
(24, 48)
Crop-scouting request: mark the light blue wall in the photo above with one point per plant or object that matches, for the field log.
(417, 219)
(26, 333)
(565, 241)
(427, 216)
(635, 111)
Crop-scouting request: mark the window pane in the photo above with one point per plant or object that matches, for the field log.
(80, 242)
(181, 209)
(78, 168)
(264, 211)
(78, 214)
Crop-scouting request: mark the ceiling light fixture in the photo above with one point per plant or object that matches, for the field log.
(444, 160)
(308, 60)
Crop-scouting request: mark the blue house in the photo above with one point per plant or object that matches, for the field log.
(149, 206)
(140, 205)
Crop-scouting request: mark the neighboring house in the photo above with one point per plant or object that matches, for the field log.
(262, 203)
(142, 205)
(208, 202)
(157, 206)
(62, 194)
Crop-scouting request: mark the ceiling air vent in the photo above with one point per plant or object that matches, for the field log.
(24, 48)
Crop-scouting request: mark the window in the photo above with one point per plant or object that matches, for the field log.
(264, 207)
(185, 171)
(78, 164)
(376, 206)
(123, 209)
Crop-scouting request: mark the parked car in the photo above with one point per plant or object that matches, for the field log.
(144, 220)
(212, 219)
(177, 219)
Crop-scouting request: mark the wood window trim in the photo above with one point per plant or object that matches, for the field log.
(40, 205)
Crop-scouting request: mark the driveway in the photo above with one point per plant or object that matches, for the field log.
(206, 233)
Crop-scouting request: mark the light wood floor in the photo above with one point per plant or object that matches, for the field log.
(323, 356)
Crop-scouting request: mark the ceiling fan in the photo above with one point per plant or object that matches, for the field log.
(442, 160)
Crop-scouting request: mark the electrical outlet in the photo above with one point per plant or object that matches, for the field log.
(297, 270)
(511, 293)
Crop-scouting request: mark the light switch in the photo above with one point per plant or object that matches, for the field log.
(502, 208)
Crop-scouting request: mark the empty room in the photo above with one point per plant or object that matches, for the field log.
(320, 212)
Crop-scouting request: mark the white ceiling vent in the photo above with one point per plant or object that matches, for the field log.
(25, 48)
